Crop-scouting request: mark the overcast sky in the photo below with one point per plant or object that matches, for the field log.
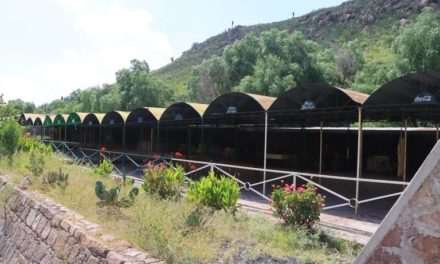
(50, 47)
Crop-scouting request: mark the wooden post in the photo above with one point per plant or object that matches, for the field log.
(359, 158)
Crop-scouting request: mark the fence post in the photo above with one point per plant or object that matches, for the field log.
(294, 179)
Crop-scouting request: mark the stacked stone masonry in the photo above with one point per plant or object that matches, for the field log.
(35, 230)
(415, 236)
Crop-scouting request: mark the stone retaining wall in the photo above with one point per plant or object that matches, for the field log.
(35, 230)
(410, 233)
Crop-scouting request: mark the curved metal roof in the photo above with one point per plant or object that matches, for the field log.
(38, 121)
(115, 118)
(76, 118)
(93, 119)
(183, 111)
(48, 120)
(317, 102)
(237, 102)
(317, 96)
(60, 119)
(145, 114)
(414, 95)
(28, 118)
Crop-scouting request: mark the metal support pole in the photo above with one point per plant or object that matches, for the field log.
(189, 142)
(123, 138)
(65, 137)
(202, 137)
(158, 138)
(359, 158)
(266, 117)
(151, 140)
(405, 147)
(320, 153)
(100, 134)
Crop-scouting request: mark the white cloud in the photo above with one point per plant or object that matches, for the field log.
(110, 35)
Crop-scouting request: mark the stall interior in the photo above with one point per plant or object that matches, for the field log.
(113, 130)
(141, 127)
(91, 131)
(180, 130)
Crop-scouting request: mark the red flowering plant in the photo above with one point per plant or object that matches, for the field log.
(191, 166)
(178, 155)
(163, 180)
(297, 206)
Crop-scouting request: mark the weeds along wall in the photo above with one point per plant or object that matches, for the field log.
(33, 229)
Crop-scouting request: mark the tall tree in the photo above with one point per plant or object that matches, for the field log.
(349, 59)
(418, 45)
(139, 88)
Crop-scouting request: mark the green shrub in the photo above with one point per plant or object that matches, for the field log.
(37, 162)
(165, 181)
(60, 178)
(297, 206)
(218, 193)
(111, 197)
(10, 133)
(197, 220)
(29, 145)
(104, 168)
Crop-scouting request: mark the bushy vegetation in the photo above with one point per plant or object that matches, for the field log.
(29, 145)
(59, 178)
(177, 230)
(297, 206)
(10, 133)
(164, 180)
(112, 197)
(105, 168)
(215, 192)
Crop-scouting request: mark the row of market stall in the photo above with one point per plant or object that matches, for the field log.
(313, 128)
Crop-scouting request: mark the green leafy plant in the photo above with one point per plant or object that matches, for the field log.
(29, 145)
(37, 162)
(50, 178)
(62, 179)
(10, 133)
(197, 220)
(111, 197)
(104, 168)
(59, 178)
(165, 181)
(300, 206)
(218, 193)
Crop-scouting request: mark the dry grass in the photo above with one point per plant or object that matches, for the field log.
(159, 226)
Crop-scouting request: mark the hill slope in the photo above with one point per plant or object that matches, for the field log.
(356, 19)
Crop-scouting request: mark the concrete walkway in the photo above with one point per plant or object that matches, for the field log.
(353, 228)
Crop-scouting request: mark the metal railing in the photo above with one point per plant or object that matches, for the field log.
(128, 164)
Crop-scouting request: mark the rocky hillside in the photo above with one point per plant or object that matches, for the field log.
(355, 19)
